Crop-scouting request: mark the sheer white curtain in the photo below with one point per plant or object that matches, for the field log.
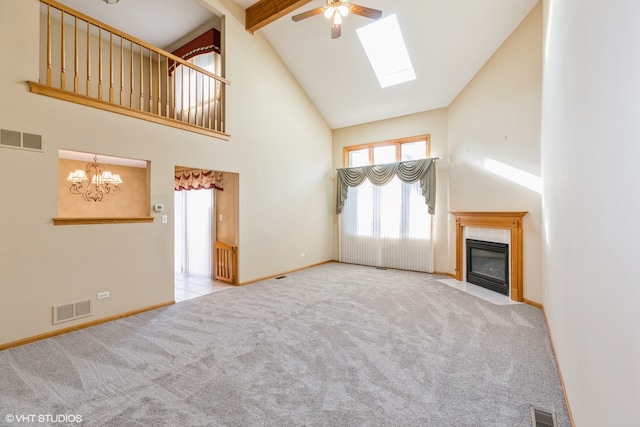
(195, 91)
(193, 232)
(387, 226)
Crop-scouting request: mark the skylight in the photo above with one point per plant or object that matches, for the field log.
(384, 45)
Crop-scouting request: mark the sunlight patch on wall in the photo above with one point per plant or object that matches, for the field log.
(520, 177)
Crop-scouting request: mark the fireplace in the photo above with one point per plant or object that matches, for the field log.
(488, 265)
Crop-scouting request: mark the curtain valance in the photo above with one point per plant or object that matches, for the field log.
(204, 43)
(409, 172)
(198, 180)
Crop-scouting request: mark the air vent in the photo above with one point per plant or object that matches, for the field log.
(25, 141)
(281, 277)
(72, 311)
(542, 418)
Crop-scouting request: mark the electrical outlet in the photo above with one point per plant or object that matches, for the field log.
(103, 295)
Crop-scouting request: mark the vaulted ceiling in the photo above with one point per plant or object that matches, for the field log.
(448, 41)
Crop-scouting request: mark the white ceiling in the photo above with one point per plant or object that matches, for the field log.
(448, 40)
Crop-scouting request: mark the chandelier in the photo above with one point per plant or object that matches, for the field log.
(101, 183)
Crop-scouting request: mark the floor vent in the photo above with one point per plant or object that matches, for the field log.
(542, 418)
(72, 311)
(281, 277)
(381, 268)
(15, 139)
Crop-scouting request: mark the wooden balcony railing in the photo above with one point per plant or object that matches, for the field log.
(91, 63)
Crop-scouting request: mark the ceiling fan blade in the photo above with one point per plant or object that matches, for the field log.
(307, 14)
(367, 12)
(336, 31)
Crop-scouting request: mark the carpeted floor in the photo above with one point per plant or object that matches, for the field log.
(333, 345)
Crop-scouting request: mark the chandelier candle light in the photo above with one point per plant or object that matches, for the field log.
(102, 182)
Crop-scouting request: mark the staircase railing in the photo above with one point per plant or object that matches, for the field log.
(226, 262)
(88, 62)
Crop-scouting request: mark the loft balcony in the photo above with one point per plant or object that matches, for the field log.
(88, 62)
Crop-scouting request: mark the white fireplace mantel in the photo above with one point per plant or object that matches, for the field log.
(508, 220)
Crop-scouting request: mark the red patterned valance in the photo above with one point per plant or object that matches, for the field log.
(198, 180)
(204, 43)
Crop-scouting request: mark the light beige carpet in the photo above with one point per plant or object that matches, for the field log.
(334, 345)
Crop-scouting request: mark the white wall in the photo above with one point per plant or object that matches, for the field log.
(283, 166)
(430, 122)
(497, 116)
(590, 152)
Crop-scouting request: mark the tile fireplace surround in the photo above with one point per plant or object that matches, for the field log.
(508, 220)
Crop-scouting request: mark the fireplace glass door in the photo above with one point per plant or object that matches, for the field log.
(488, 265)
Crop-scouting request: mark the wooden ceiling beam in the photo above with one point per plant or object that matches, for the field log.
(266, 11)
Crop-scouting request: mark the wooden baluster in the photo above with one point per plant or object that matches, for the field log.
(189, 96)
(221, 127)
(111, 67)
(203, 98)
(88, 59)
(167, 90)
(141, 81)
(159, 112)
(48, 73)
(63, 82)
(131, 75)
(150, 81)
(195, 101)
(75, 55)
(216, 111)
(174, 82)
(121, 70)
(100, 63)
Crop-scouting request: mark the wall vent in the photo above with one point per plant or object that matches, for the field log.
(542, 418)
(25, 141)
(72, 311)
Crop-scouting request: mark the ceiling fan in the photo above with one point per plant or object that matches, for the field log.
(335, 10)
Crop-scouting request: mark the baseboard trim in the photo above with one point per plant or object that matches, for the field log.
(35, 338)
(453, 276)
(533, 303)
(555, 357)
(283, 273)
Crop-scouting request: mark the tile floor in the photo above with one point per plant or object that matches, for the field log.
(187, 287)
(480, 292)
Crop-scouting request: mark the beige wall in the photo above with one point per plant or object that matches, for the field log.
(430, 122)
(497, 116)
(132, 201)
(283, 167)
(590, 152)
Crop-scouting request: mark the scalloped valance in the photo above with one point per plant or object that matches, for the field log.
(198, 180)
(409, 172)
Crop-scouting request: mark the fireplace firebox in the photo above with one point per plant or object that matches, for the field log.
(488, 265)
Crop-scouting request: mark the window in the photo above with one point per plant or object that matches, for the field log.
(387, 226)
(197, 90)
(388, 152)
(384, 45)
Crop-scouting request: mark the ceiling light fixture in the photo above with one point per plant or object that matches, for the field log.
(335, 10)
(111, 1)
(102, 182)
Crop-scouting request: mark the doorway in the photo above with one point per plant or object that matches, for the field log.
(200, 204)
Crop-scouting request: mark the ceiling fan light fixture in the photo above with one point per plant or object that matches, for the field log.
(111, 1)
(328, 12)
(337, 19)
(344, 10)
